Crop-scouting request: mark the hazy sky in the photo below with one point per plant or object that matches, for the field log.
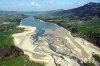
(41, 5)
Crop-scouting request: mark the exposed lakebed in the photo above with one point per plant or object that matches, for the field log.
(57, 44)
(40, 25)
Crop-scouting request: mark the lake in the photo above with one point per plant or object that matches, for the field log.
(39, 24)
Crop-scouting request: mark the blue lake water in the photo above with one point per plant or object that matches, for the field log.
(40, 25)
(30, 21)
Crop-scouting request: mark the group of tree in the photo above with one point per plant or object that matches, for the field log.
(94, 38)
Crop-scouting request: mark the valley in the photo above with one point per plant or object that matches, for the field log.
(51, 38)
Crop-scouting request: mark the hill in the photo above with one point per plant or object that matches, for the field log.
(84, 12)
(84, 21)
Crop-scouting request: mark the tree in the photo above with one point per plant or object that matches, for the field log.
(74, 30)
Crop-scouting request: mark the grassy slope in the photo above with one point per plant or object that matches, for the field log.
(20, 61)
(6, 39)
(90, 25)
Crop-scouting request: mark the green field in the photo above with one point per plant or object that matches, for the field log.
(8, 27)
(20, 61)
(6, 39)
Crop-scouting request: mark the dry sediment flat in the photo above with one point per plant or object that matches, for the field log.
(55, 47)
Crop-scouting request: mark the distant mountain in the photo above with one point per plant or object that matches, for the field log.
(8, 12)
(86, 11)
(3, 12)
(54, 11)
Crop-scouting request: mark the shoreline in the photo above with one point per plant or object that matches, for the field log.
(93, 45)
(78, 46)
(49, 22)
(19, 37)
(84, 43)
(23, 41)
